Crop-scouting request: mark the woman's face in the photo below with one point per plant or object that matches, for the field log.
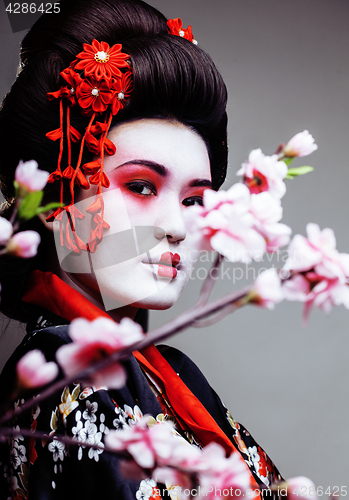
(159, 169)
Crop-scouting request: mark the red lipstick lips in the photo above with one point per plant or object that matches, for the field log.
(167, 265)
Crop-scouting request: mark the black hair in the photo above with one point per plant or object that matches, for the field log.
(173, 78)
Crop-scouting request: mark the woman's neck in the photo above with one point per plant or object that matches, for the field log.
(86, 284)
(78, 285)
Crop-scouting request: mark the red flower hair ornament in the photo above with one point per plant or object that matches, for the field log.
(100, 82)
(175, 27)
(102, 61)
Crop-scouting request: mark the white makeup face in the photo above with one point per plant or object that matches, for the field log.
(159, 169)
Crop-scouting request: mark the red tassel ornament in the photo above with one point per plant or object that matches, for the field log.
(99, 81)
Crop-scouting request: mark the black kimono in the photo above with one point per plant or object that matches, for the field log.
(37, 469)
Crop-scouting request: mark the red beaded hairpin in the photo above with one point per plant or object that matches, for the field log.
(99, 80)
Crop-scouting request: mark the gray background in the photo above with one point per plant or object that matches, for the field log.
(285, 63)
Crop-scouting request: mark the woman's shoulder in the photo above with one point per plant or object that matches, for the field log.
(48, 339)
(260, 464)
(195, 380)
(181, 363)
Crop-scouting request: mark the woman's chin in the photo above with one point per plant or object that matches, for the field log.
(158, 302)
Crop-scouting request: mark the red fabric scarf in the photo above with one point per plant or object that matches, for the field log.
(51, 293)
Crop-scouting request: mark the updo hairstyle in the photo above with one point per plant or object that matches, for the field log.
(173, 78)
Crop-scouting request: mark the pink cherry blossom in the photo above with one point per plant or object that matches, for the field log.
(34, 371)
(178, 483)
(319, 250)
(213, 471)
(237, 224)
(267, 212)
(148, 446)
(24, 244)
(297, 288)
(319, 273)
(225, 224)
(29, 177)
(301, 144)
(223, 474)
(94, 341)
(174, 460)
(6, 230)
(186, 457)
(267, 290)
(298, 488)
(264, 173)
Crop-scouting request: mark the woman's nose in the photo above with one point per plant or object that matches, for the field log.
(171, 222)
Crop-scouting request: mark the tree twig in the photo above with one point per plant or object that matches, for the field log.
(230, 308)
(209, 282)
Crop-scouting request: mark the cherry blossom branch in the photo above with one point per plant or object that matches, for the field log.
(169, 459)
(28, 185)
(230, 308)
(187, 319)
(12, 433)
(306, 282)
(183, 321)
(183, 470)
(209, 281)
(239, 225)
(14, 213)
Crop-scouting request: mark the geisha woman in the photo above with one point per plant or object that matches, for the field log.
(127, 114)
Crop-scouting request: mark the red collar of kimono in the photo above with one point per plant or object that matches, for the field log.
(51, 293)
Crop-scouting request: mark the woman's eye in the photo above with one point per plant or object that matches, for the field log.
(142, 188)
(194, 200)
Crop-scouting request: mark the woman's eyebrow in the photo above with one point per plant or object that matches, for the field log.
(163, 171)
(200, 182)
(157, 167)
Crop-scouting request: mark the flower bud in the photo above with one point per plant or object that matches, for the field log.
(301, 144)
(267, 289)
(24, 244)
(30, 178)
(6, 230)
(34, 371)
